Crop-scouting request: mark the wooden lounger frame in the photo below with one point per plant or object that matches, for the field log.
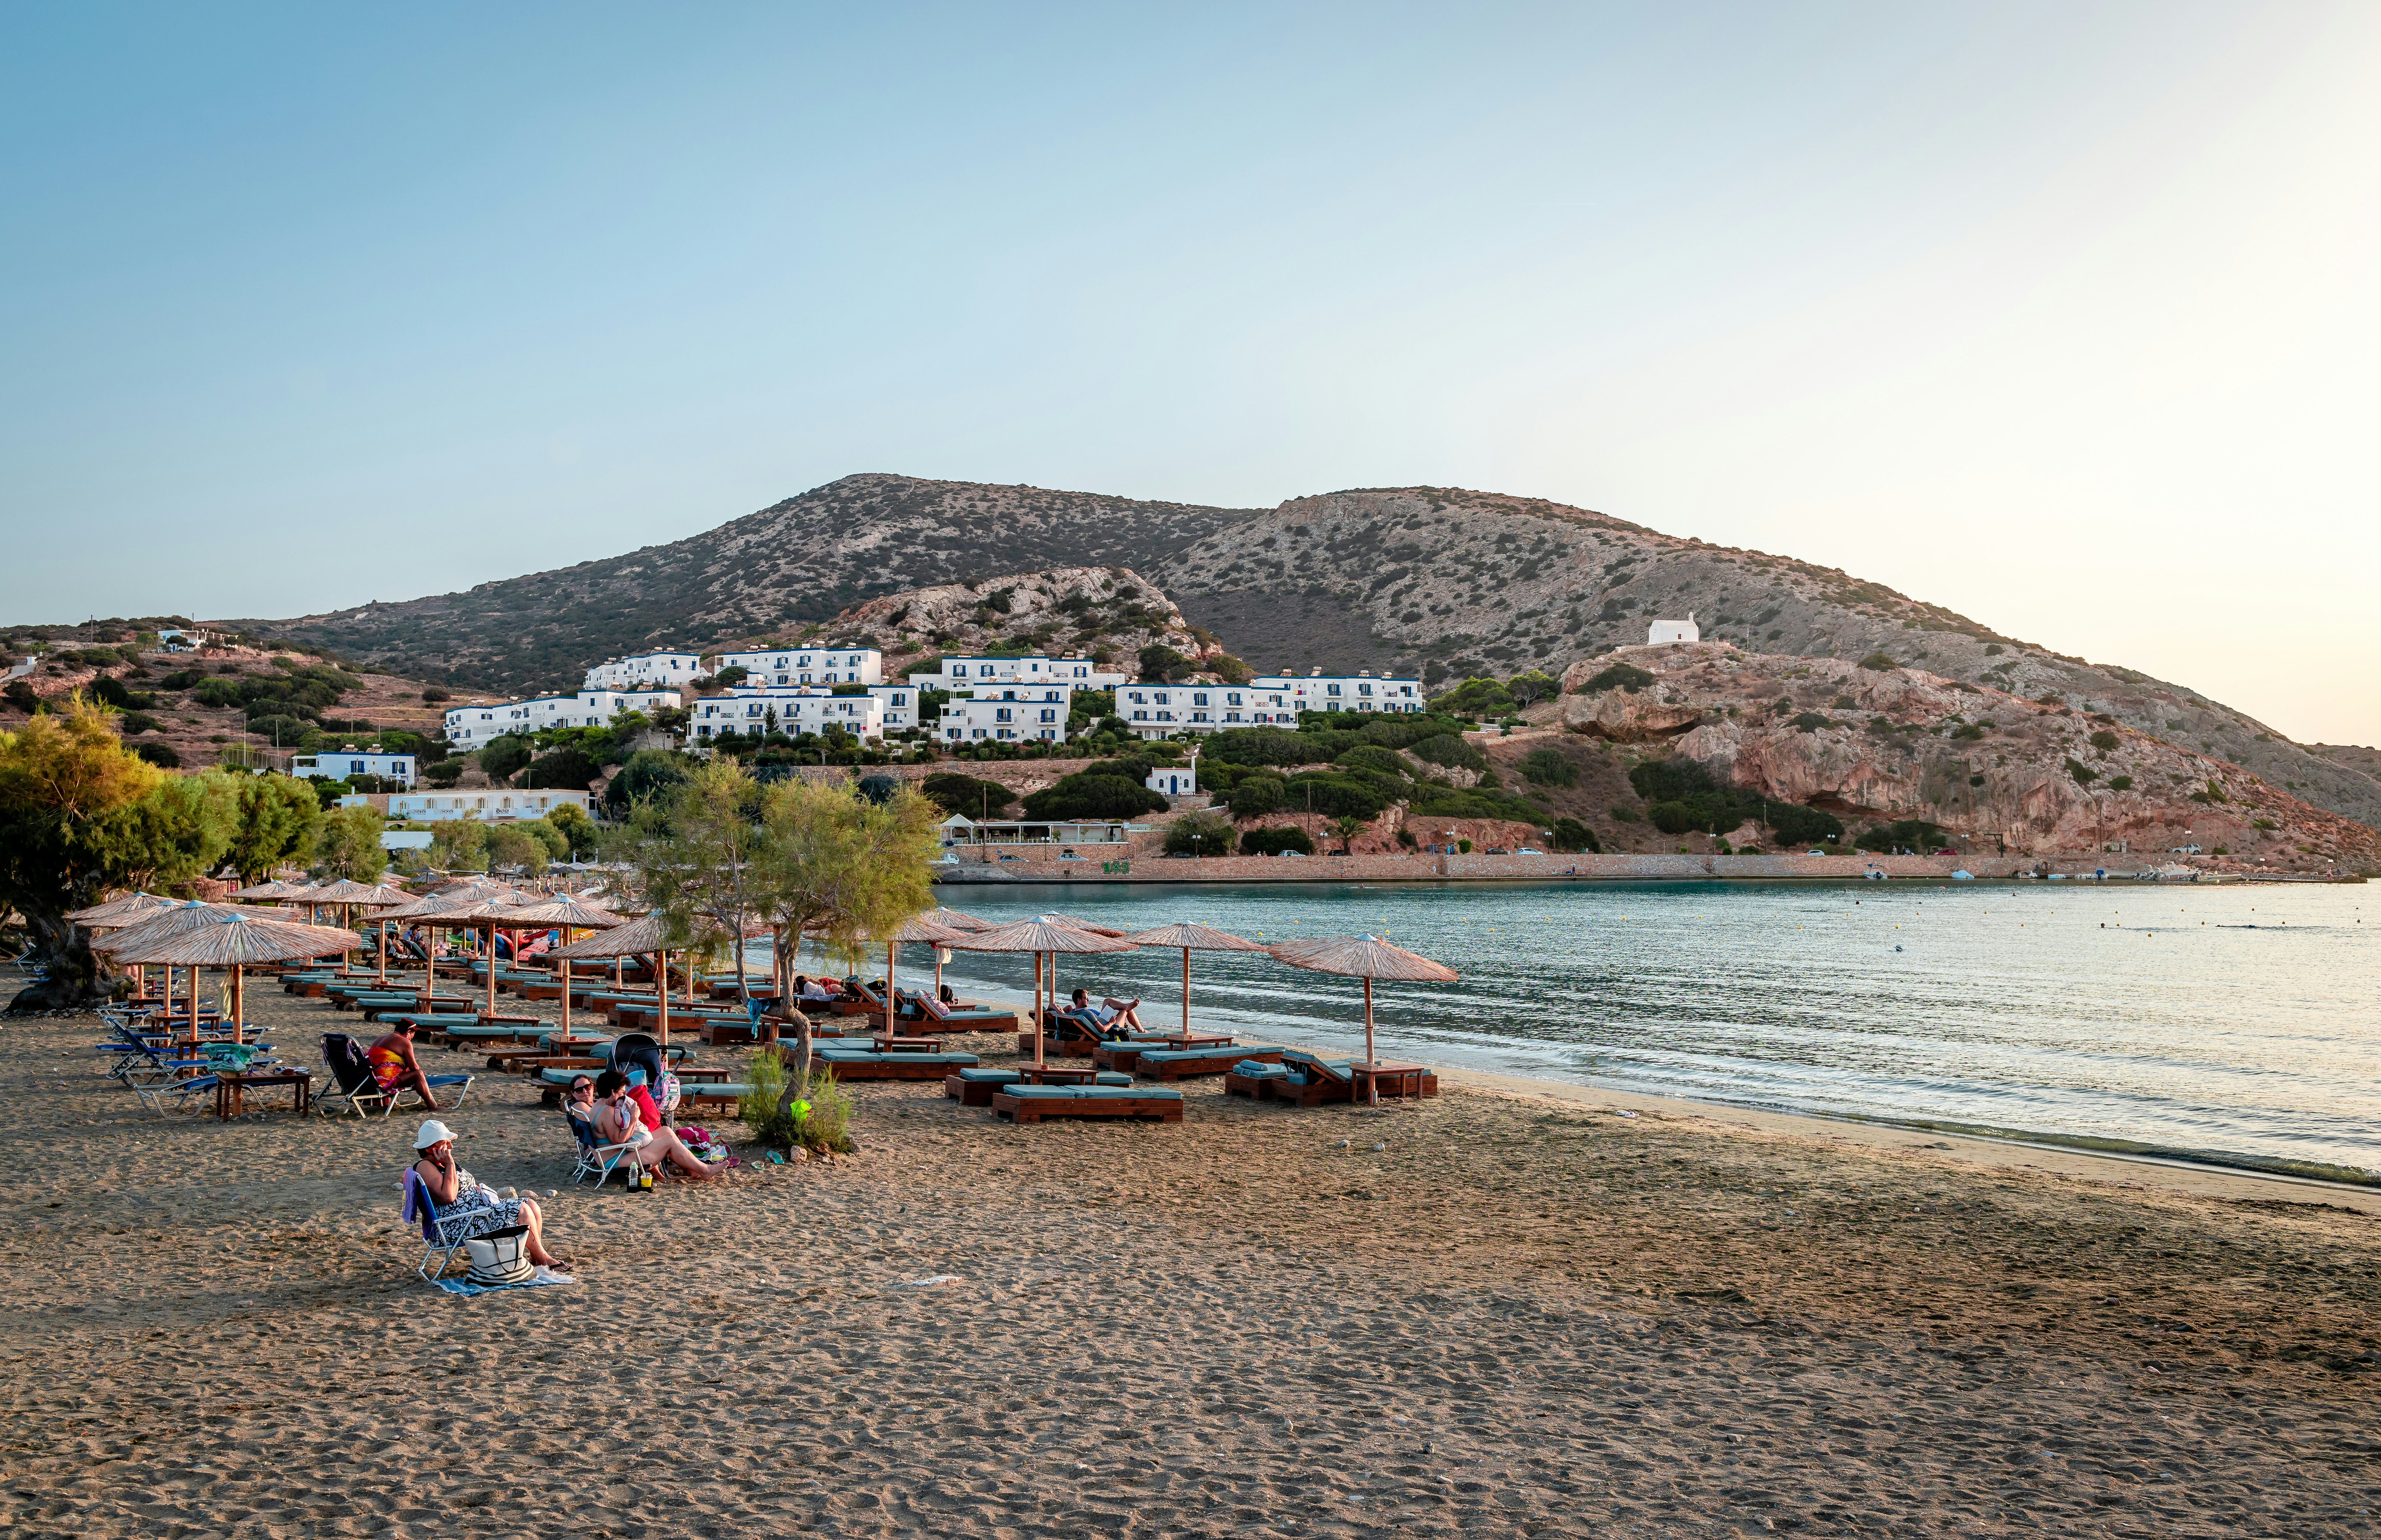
(1125, 1103)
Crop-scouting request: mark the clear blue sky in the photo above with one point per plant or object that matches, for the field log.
(2063, 316)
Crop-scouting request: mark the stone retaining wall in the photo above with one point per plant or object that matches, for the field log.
(1486, 868)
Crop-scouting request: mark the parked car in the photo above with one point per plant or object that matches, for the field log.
(1525, 850)
(1300, 855)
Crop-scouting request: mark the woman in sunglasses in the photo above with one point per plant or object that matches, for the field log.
(618, 1121)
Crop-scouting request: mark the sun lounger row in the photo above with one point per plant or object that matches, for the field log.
(855, 1063)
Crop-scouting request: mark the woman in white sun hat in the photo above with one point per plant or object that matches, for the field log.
(458, 1195)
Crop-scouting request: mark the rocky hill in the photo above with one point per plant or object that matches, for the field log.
(1996, 769)
(1444, 582)
(795, 565)
(1452, 583)
(1108, 613)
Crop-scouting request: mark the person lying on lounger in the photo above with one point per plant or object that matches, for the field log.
(458, 1195)
(816, 989)
(395, 1069)
(618, 1121)
(1113, 1016)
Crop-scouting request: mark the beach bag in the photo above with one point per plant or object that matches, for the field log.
(703, 1144)
(500, 1257)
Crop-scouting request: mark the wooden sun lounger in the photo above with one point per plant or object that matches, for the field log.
(846, 1064)
(1174, 1064)
(1032, 1103)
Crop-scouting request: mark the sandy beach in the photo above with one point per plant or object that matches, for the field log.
(1514, 1309)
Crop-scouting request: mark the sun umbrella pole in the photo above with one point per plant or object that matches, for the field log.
(1371, 1081)
(1039, 1025)
(566, 990)
(492, 967)
(239, 1007)
(1186, 991)
(662, 957)
(892, 963)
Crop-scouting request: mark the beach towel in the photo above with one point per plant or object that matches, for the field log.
(465, 1288)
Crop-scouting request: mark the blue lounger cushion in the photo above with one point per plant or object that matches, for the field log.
(998, 1077)
(1100, 1092)
(1176, 1056)
(855, 1055)
(1255, 1071)
(1111, 1077)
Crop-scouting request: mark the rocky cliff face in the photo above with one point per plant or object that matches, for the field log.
(1451, 583)
(1880, 744)
(1109, 613)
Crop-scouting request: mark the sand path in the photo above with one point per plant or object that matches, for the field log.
(1514, 1317)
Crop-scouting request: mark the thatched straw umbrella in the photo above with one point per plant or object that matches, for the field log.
(1367, 957)
(495, 912)
(950, 919)
(218, 937)
(570, 914)
(1045, 936)
(130, 910)
(270, 888)
(171, 921)
(1191, 937)
(383, 898)
(427, 907)
(634, 938)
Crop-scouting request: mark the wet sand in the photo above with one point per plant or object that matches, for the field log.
(1520, 1314)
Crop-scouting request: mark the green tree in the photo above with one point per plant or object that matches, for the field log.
(1547, 765)
(1257, 797)
(1571, 837)
(648, 773)
(504, 756)
(1160, 664)
(569, 767)
(78, 816)
(1091, 794)
(349, 844)
(458, 845)
(1272, 842)
(1200, 834)
(1347, 828)
(509, 845)
(578, 830)
(276, 821)
(953, 792)
(833, 864)
(1528, 689)
(692, 849)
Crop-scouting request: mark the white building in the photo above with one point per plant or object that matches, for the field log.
(1273, 700)
(974, 673)
(1007, 713)
(1175, 780)
(470, 728)
(749, 711)
(800, 666)
(491, 805)
(659, 669)
(338, 766)
(899, 705)
(1661, 631)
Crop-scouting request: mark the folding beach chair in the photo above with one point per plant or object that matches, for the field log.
(356, 1090)
(440, 1238)
(595, 1160)
(162, 1097)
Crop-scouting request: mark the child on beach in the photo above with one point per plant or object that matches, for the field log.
(619, 1120)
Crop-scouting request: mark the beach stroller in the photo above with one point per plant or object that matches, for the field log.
(357, 1090)
(640, 1050)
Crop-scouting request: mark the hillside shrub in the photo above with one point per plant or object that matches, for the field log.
(504, 756)
(1622, 815)
(2084, 774)
(569, 767)
(1257, 797)
(953, 792)
(1475, 697)
(161, 755)
(1451, 751)
(1879, 661)
(1546, 766)
(1626, 677)
(1797, 825)
(1272, 842)
(1373, 757)
(1090, 794)
(430, 696)
(1200, 834)
(2116, 783)
(1569, 837)
(2104, 741)
(1265, 746)
(1909, 834)
(1810, 721)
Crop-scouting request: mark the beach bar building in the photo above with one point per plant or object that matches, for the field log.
(961, 834)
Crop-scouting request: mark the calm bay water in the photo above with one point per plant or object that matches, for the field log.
(2243, 1021)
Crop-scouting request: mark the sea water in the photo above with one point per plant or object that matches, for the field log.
(2240, 1023)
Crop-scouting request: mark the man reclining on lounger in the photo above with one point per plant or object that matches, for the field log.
(1112, 1016)
(395, 1069)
